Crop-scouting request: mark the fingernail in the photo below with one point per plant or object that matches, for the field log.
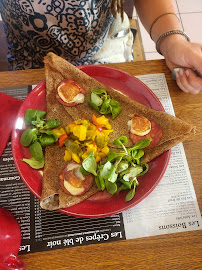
(181, 72)
(176, 69)
(177, 75)
(187, 72)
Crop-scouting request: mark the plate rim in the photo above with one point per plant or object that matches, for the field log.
(127, 74)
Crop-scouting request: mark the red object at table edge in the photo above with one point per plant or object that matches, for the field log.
(9, 107)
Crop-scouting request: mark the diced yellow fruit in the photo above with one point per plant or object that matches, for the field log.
(98, 159)
(67, 129)
(71, 126)
(108, 131)
(67, 156)
(58, 131)
(91, 147)
(108, 126)
(80, 132)
(103, 121)
(92, 126)
(89, 137)
(101, 154)
(94, 135)
(76, 158)
(98, 133)
(85, 154)
(83, 122)
(105, 150)
(105, 144)
(88, 143)
(89, 134)
(62, 131)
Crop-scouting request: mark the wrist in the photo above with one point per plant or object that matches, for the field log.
(168, 42)
(165, 24)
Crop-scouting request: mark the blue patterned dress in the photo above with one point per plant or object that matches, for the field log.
(73, 29)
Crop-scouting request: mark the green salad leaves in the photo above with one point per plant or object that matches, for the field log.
(103, 103)
(38, 136)
(121, 169)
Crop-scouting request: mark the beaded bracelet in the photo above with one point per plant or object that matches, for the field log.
(170, 32)
(167, 13)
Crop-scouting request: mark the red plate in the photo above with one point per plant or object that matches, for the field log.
(100, 204)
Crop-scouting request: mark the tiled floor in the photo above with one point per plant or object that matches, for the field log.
(190, 14)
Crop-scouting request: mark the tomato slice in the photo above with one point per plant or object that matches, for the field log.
(69, 90)
(71, 183)
(155, 135)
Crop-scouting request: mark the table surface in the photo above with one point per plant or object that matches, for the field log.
(171, 251)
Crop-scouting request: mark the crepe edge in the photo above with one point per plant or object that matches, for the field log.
(53, 202)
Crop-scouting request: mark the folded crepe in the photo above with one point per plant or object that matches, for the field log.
(57, 69)
(53, 197)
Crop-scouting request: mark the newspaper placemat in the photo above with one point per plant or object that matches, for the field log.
(172, 206)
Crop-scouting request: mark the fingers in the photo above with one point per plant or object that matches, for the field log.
(188, 81)
(195, 58)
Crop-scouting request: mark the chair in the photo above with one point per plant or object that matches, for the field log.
(138, 50)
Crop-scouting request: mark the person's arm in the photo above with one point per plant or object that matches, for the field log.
(149, 10)
(178, 52)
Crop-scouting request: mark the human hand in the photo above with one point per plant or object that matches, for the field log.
(188, 56)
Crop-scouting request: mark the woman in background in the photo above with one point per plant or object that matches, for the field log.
(86, 32)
